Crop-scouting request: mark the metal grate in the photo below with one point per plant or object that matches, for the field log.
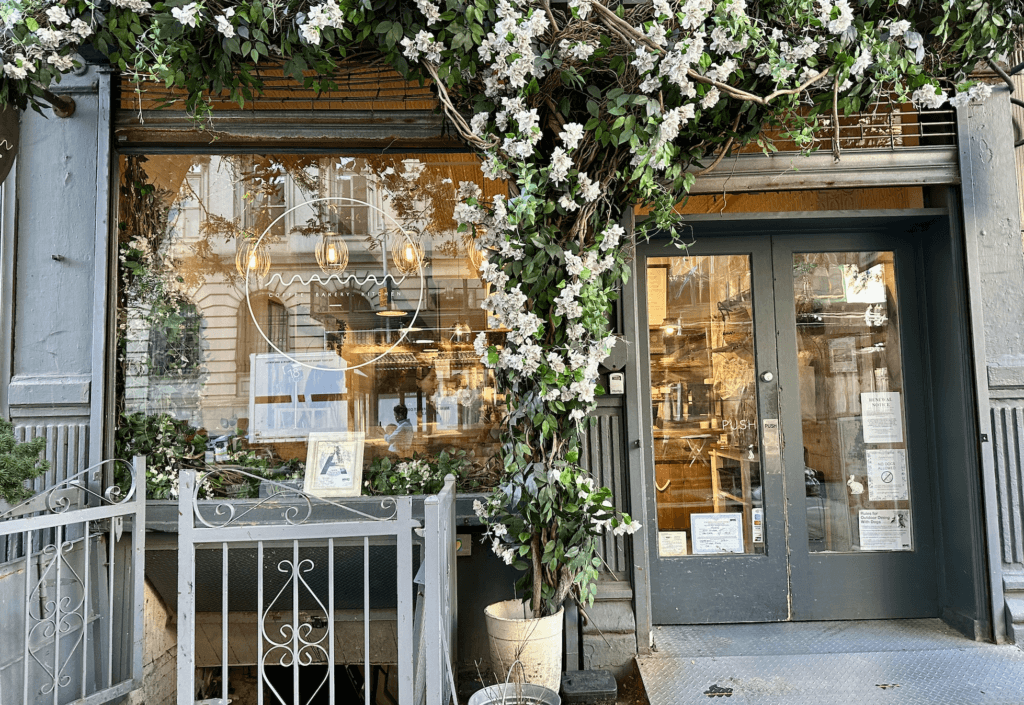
(825, 663)
(888, 126)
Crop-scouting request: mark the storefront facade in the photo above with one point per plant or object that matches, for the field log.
(820, 398)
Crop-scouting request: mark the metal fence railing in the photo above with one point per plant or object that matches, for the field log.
(71, 591)
(319, 585)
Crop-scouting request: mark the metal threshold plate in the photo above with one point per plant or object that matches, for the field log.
(902, 661)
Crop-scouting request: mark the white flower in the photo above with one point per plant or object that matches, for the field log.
(590, 190)
(710, 99)
(980, 92)
(960, 100)
(17, 67)
(478, 508)
(479, 123)
(49, 38)
(560, 165)
(580, 51)
(928, 97)
(861, 63)
(843, 19)
(136, 6)
(224, 25)
(57, 15)
(582, 7)
(896, 29)
(568, 203)
(611, 237)
(430, 10)
(186, 15)
(61, 63)
(499, 529)
(82, 29)
(571, 135)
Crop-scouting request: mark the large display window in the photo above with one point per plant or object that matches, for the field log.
(264, 298)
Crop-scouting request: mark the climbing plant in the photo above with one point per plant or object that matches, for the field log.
(586, 109)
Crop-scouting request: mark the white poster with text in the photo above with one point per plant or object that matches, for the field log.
(882, 416)
(885, 530)
(887, 474)
(671, 543)
(717, 533)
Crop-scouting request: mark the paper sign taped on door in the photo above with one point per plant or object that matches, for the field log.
(717, 533)
(882, 416)
(887, 474)
(885, 530)
(671, 543)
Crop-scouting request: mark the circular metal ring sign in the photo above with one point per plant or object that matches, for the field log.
(336, 277)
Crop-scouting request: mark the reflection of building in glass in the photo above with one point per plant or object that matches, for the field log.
(309, 350)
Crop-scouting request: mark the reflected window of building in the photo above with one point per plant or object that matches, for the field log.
(335, 296)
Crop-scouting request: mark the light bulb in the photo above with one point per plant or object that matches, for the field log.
(332, 253)
(252, 260)
(410, 254)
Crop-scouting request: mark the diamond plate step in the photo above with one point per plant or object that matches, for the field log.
(906, 661)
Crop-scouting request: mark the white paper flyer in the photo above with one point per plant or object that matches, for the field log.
(887, 474)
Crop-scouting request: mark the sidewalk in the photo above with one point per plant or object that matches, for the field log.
(821, 663)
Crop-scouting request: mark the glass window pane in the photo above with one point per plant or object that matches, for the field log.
(330, 334)
(856, 479)
(706, 453)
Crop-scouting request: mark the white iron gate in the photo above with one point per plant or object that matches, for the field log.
(306, 581)
(71, 591)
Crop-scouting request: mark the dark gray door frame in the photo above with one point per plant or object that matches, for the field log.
(637, 388)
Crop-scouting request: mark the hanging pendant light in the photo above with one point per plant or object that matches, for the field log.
(332, 252)
(406, 254)
(252, 256)
(474, 255)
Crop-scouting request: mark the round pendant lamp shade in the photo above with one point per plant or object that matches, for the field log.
(332, 252)
(252, 257)
(406, 254)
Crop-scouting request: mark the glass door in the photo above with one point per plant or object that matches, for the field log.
(717, 471)
(787, 430)
(861, 529)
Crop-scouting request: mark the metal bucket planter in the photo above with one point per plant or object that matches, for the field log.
(9, 128)
(512, 694)
(514, 635)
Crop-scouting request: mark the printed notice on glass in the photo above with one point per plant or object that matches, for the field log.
(885, 530)
(671, 543)
(717, 533)
(882, 416)
(887, 474)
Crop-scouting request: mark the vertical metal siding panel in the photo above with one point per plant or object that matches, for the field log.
(999, 456)
(615, 444)
(1017, 471)
(601, 455)
(66, 448)
(1008, 450)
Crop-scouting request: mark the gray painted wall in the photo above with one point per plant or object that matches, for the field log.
(995, 265)
(53, 257)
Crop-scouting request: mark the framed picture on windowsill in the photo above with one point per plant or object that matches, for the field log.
(334, 464)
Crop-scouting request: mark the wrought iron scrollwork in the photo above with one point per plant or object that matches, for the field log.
(298, 645)
(297, 507)
(86, 484)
